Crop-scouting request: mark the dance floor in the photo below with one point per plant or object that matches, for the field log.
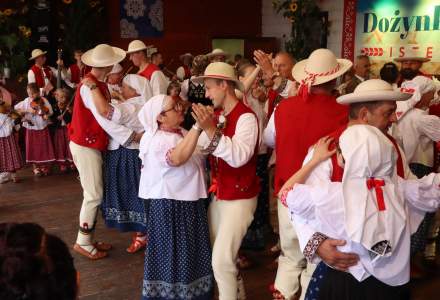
(54, 202)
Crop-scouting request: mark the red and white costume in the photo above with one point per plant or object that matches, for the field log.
(158, 81)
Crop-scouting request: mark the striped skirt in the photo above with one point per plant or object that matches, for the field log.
(178, 255)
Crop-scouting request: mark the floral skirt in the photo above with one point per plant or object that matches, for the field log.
(39, 147)
(121, 208)
(10, 155)
(178, 255)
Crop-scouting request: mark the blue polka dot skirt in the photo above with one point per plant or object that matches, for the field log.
(121, 207)
(178, 255)
(312, 292)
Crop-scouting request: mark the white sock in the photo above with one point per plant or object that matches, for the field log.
(85, 241)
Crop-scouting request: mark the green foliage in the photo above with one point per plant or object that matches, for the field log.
(305, 17)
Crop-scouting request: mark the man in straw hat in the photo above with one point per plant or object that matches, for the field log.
(217, 55)
(372, 103)
(411, 60)
(315, 114)
(41, 74)
(140, 56)
(232, 140)
(88, 138)
(184, 72)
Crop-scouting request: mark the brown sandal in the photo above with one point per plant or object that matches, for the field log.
(101, 246)
(136, 244)
(98, 255)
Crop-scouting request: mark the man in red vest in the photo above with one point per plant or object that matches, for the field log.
(297, 123)
(140, 56)
(373, 103)
(232, 142)
(88, 139)
(76, 71)
(44, 76)
(184, 71)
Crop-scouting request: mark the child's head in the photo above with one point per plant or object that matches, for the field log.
(35, 264)
(173, 89)
(61, 95)
(32, 90)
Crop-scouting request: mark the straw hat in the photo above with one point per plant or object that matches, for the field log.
(322, 66)
(36, 53)
(103, 55)
(217, 52)
(183, 56)
(412, 53)
(136, 46)
(373, 90)
(220, 70)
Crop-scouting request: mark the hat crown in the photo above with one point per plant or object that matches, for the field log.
(136, 45)
(36, 52)
(220, 69)
(373, 85)
(102, 52)
(321, 61)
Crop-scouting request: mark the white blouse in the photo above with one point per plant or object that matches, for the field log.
(160, 180)
(126, 114)
(37, 122)
(322, 207)
(159, 83)
(6, 125)
(258, 108)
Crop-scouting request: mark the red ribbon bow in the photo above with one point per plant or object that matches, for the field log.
(377, 184)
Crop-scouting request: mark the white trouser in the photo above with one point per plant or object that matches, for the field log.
(291, 262)
(228, 224)
(88, 161)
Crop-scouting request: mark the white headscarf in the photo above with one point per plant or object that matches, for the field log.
(418, 86)
(148, 118)
(371, 220)
(140, 84)
(117, 68)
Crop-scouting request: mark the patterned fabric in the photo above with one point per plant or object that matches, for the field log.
(178, 255)
(121, 207)
(39, 147)
(10, 156)
(418, 239)
(259, 228)
(312, 292)
(61, 145)
(313, 244)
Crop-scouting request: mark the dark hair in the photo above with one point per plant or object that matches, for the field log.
(354, 108)
(389, 72)
(157, 53)
(33, 87)
(238, 57)
(173, 85)
(34, 265)
(242, 66)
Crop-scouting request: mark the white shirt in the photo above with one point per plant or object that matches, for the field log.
(159, 180)
(180, 72)
(38, 122)
(238, 150)
(416, 130)
(159, 83)
(6, 125)
(119, 133)
(258, 108)
(126, 113)
(322, 206)
(269, 134)
(31, 75)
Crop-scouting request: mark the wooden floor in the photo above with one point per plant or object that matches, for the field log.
(54, 202)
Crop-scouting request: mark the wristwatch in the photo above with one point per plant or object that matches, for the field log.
(197, 127)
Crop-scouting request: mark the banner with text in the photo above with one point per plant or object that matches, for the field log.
(387, 29)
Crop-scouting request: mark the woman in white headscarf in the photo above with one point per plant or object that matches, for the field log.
(178, 254)
(121, 207)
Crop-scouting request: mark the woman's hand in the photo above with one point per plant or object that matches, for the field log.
(321, 150)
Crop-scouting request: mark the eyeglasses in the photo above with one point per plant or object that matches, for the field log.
(179, 106)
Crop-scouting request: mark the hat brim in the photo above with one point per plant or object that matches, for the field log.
(373, 96)
(41, 54)
(299, 74)
(239, 85)
(136, 50)
(420, 59)
(118, 56)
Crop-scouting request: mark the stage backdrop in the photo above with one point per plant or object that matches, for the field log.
(385, 29)
(141, 18)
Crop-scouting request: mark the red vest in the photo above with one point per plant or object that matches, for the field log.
(84, 130)
(39, 77)
(299, 124)
(149, 70)
(338, 172)
(235, 183)
(77, 74)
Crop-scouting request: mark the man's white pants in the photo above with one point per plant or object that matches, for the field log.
(291, 263)
(88, 161)
(228, 224)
